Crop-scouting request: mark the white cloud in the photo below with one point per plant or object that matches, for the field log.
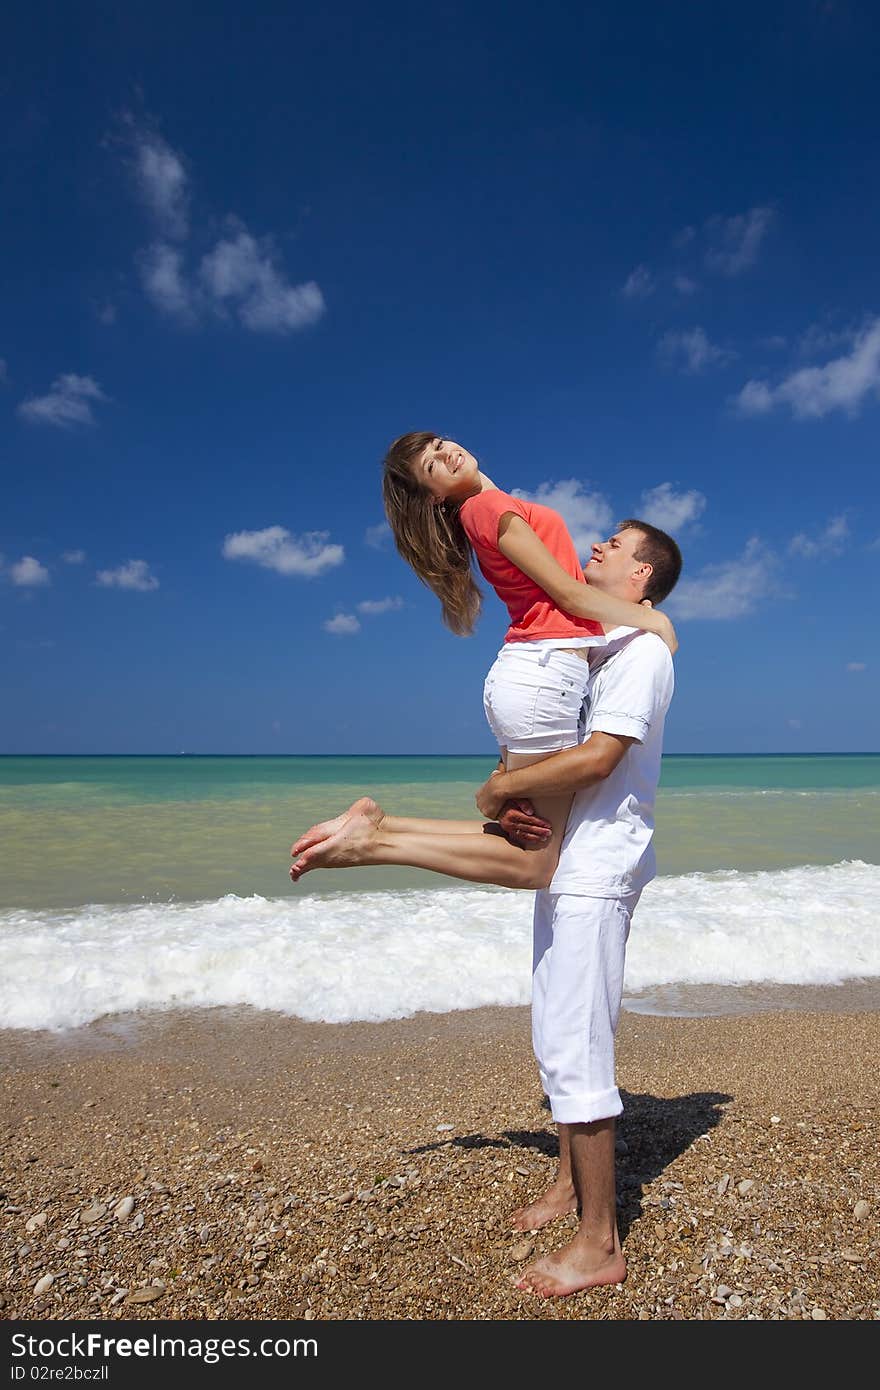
(67, 403)
(856, 666)
(729, 590)
(684, 237)
(639, 283)
(135, 574)
(106, 314)
(819, 339)
(162, 182)
(811, 392)
(828, 543)
(276, 549)
(587, 515)
(735, 241)
(691, 350)
(684, 284)
(343, 625)
(74, 557)
(164, 280)
(4, 374)
(240, 275)
(373, 606)
(378, 536)
(28, 572)
(670, 510)
(243, 272)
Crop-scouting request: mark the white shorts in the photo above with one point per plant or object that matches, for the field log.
(577, 985)
(533, 697)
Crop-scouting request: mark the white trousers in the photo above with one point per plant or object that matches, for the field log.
(577, 985)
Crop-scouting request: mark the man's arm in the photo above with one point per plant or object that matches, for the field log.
(562, 774)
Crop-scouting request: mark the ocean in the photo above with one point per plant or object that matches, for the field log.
(130, 884)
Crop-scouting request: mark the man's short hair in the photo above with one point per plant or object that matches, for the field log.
(661, 552)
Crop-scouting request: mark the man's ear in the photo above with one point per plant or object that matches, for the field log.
(643, 573)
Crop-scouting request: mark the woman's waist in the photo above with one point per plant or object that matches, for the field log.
(542, 623)
(533, 663)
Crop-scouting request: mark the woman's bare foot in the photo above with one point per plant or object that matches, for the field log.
(582, 1264)
(324, 829)
(559, 1200)
(345, 849)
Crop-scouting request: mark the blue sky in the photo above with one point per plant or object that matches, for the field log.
(627, 254)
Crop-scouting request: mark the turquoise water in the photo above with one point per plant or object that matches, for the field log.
(78, 830)
(149, 778)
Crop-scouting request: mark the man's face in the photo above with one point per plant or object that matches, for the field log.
(614, 568)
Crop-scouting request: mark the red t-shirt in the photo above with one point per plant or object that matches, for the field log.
(533, 614)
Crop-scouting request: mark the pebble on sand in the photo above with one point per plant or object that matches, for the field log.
(44, 1284)
(123, 1209)
(522, 1250)
(862, 1209)
(147, 1295)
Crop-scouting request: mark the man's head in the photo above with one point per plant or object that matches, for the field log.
(638, 561)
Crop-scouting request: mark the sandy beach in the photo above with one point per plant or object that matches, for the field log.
(236, 1164)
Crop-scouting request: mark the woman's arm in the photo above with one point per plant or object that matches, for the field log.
(519, 543)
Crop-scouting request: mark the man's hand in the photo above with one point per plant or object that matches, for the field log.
(521, 825)
(491, 795)
(516, 818)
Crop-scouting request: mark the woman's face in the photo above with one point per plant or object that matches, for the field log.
(446, 470)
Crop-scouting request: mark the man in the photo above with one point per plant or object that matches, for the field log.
(582, 918)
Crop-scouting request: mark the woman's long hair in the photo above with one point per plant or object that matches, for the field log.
(429, 535)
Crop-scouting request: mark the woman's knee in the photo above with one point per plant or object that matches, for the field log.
(538, 867)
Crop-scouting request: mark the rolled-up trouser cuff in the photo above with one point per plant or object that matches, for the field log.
(583, 1110)
(577, 982)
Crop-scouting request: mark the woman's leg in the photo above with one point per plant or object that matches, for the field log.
(365, 837)
(539, 707)
(401, 824)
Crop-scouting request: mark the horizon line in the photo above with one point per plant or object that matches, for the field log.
(804, 753)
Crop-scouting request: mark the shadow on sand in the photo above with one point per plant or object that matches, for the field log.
(651, 1133)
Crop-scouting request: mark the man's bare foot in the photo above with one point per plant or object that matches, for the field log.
(559, 1199)
(582, 1264)
(324, 829)
(349, 847)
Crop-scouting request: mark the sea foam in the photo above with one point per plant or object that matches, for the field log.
(347, 956)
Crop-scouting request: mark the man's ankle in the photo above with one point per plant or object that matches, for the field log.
(598, 1236)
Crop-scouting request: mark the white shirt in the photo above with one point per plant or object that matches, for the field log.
(607, 848)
